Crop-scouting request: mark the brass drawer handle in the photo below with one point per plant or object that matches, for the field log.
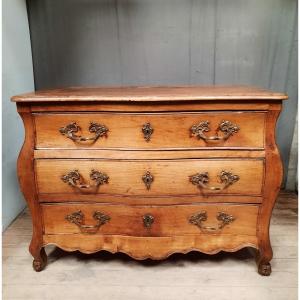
(74, 179)
(223, 218)
(147, 131)
(148, 220)
(148, 178)
(202, 179)
(225, 126)
(78, 219)
(69, 131)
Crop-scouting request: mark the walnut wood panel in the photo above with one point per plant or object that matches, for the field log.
(153, 154)
(25, 169)
(151, 247)
(171, 177)
(181, 106)
(274, 174)
(169, 130)
(167, 220)
(154, 93)
(149, 200)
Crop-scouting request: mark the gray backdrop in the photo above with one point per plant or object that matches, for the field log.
(17, 77)
(150, 42)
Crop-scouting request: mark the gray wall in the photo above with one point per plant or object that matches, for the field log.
(88, 42)
(292, 178)
(17, 76)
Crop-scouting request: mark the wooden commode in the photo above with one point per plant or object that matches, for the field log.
(150, 171)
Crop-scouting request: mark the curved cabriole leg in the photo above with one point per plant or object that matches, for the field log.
(274, 172)
(263, 263)
(264, 269)
(26, 176)
(40, 259)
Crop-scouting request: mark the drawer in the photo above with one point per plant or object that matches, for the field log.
(150, 177)
(150, 220)
(150, 131)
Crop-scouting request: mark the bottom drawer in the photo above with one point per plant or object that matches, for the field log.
(175, 220)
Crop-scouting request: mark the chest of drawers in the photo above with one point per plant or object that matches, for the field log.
(150, 171)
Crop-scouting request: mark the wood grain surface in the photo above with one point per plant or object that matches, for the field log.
(26, 175)
(170, 177)
(148, 93)
(163, 106)
(149, 155)
(168, 220)
(170, 130)
(151, 247)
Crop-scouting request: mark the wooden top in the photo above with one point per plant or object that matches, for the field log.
(155, 93)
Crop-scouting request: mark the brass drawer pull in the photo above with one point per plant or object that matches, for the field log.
(202, 179)
(225, 126)
(78, 219)
(147, 131)
(223, 218)
(148, 179)
(148, 220)
(74, 179)
(69, 131)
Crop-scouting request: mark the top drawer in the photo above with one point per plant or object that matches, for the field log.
(150, 130)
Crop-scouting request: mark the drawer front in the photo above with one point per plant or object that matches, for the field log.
(150, 131)
(150, 178)
(150, 221)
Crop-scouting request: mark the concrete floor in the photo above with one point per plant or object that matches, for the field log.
(192, 276)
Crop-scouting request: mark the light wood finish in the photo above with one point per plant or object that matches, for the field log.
(157, 247)
(72, 275)
(170, 130)
(158, 93)
(170, 177)
(274, 173)
(148, 155)
(149, 200)
(170, 156)
(168, 220)
(26, 178)
(203, 105)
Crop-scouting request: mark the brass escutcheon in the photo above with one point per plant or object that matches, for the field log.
(148, 178)
(147, 131)
(148, 220)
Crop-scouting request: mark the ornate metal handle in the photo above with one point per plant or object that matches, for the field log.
(148, 178)
(69, 131)
(198, 219)
(201, 180)
(78, 219)
(74, 179)
(226, 127)
(148, 220)
(147, 131)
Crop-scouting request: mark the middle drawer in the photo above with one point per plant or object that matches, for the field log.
(150, 177)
